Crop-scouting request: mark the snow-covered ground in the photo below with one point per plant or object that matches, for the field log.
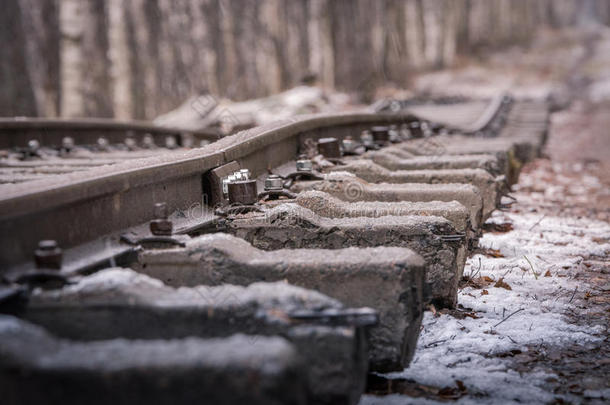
(534, 308)
(538, 268)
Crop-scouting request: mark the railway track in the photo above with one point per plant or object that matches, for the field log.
(34, 148)
(283, 262)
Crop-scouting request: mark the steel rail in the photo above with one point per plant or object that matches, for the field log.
(79, 207)
(17, 131)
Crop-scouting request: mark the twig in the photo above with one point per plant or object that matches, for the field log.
(519, 310)
(436, 342)
(537, 222)
(530, 263)
(478, 270)
(573, 294)
(439, 341)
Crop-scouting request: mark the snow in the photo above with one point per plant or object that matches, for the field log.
(528, 315)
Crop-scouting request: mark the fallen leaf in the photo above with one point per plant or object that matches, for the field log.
(479, 282)
(548, 273)
(484, 292)
(498, 228)
(501, 284)
(492, 253)
(460, 385)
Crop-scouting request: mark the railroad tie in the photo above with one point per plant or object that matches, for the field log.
(40, 368)
(390, 280)
(120, 303)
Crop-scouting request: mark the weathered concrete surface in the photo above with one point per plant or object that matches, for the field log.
(121, 303)
(491, 188)
(37, 368)
(388, 279)
(512, 153)
(483, 161)
(292, 226)
(348, 187)
(325, 205)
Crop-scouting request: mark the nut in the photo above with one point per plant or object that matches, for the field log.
(366, 137)
(243, 192)
(48, 255)
(415, 128)
(103, 143)
(394, 135)
(329, 148)
(304, 165)
(245, 174)
(33, 145)
(170, 142)
(148, 141)
(161, 226)
(349, 145)
(130, 142)
(380, 134)
(67, 143)
(274, 183)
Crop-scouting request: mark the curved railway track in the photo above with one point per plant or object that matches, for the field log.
(377, 211)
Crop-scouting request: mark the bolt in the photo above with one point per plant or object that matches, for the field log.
(404, 131)
(274, 182)
(67, 143)
(329, 148)
(170, 142)
(48, 255)
(394, 135)
(161, 211)
(415, 128)
(130, 142)
(245, 174)
(160, 225)
(33, 145)
(188, 140)
(102, 143)
(366, 137)
(148, 142)
(304, 165)
(225, 186)
(349, 145)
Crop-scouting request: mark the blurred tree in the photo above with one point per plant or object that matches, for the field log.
(141, 58)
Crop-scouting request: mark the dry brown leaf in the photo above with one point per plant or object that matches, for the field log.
(480, 282)
(498, 228)
(484, 292)
(501, 284)
(493, 253)
(548, 273)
